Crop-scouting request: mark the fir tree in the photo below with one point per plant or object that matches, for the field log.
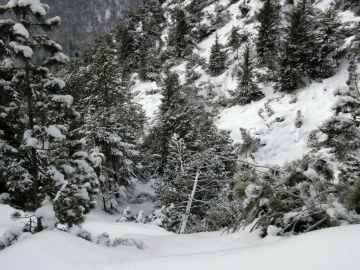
(194, 173)
(302, 49)
(40, 163)
(217, 58)
(330, 34)
(179, 36)
(169, 118)
(247, 89)
(267, 44)
(112, 125)
(235, 40)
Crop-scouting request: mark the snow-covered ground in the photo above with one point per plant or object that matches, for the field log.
(335, 248)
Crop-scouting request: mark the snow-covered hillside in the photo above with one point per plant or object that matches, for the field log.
(282, 141)
(281, 214)
(330, 249)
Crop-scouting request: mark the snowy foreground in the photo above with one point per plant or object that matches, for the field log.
(335, 248)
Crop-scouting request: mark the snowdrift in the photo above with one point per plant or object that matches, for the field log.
(335, 248)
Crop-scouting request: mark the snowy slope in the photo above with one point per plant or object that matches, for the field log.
(282, 140)
(335, 248)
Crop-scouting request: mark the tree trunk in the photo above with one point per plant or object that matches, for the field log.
(188, 207)
(33, 150)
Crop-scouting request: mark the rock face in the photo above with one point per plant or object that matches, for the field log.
(84, 20)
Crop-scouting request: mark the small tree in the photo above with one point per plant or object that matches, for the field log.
(234, 40)
(247, 89)
(217, 58)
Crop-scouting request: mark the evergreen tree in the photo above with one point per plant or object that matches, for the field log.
(247, 89)
(217, 58)
(169, 119)
(38, 160)
(330, 34)
(128, 45)
(195, 173)
(267, 44)
(286, 197)
(150, 18)
(302, 49)
(234, 40)
(112, 124)
(342, 135)
(179, 36)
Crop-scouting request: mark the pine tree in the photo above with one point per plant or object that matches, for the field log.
(342, 135)
(247, 89)
(128, 45)
(342, 130)
(302, 49)
(267, 44)
(217, 58)
(286, 197)
(39, 161)
(112, 125)
(171, 112)
(179, 37)
(330, 34)
(195, 173)
(234, 40)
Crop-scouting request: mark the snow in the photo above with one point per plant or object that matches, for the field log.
(26, 51)
(53, 44)
(5, 221)
(34, 6)
(147, 94)
(54, 132)
(335, 248)
(59, 57)
(66, 99)
(56, 20)
(30, 141)
(19, 29)
(47, 215)
(6, 22)
(283, 141)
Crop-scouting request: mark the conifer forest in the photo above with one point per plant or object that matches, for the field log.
(179, 134)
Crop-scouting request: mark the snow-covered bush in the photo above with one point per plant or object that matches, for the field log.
(295, 198)
(128, 243)
(299, 119)
(80, 232)
(10, 236)
(103, 239)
